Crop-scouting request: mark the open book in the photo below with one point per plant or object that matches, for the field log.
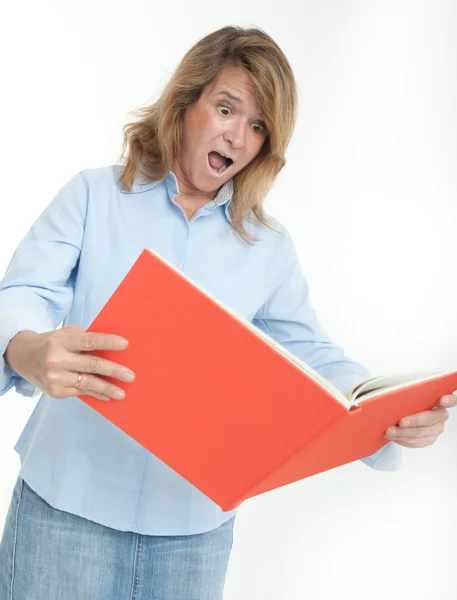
(227, 407)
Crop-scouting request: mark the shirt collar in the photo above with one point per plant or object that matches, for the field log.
(141, 184)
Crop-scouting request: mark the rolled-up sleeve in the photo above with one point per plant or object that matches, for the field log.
(37, 289)
(289, 318)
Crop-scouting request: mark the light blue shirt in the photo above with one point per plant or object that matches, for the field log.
(65, 269)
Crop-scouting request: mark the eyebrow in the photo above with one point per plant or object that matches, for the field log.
(231, 96)
(236, 99)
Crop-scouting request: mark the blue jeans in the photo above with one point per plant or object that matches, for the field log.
(47, 554)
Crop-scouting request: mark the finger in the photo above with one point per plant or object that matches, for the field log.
(449, 400)
(426, 418)
(59, 381)
(99, 396)
(77, 392)
(419, 443)
(92, 383)
(413, 433)
(87, 363)
(75, 341)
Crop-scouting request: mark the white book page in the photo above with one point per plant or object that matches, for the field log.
(378, 385)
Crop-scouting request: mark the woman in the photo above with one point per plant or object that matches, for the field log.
(93, 514)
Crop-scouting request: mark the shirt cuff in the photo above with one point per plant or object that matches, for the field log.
(12, 322)
(387, 458)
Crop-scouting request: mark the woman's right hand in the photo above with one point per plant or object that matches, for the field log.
(53, 360)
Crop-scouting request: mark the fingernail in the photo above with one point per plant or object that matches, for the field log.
(445, 401)
(405, 423)
(119, 394)
(128, 376)
(122, 343)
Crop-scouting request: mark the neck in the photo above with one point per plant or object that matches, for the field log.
(189, 191)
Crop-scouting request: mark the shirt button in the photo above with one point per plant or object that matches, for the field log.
(179, 265)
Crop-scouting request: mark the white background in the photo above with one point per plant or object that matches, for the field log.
(370, 196)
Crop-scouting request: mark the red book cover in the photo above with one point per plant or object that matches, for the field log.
(221, 403)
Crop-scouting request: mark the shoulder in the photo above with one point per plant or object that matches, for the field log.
(276, 239)
(84, 189)
(101, 176)
(83, 182)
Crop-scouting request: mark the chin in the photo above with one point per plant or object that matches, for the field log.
(205, 184)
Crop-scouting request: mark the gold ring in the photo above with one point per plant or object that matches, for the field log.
(79, 380)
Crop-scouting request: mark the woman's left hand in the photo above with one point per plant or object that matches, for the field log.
(423, 429)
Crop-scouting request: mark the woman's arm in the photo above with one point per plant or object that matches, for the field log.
(37, 289)
(289, 318)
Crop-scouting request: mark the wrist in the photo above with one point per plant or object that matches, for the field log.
(17, 350)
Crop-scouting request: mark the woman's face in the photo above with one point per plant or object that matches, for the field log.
(225, 120)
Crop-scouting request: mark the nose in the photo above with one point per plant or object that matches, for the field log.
(235, 134)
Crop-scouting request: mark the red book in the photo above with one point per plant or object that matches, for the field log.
(224, 405)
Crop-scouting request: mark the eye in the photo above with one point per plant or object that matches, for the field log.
(261, 128)
(221, 107)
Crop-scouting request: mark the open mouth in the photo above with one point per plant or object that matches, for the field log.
(218, 164)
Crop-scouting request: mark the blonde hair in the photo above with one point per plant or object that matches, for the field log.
(153, 140)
